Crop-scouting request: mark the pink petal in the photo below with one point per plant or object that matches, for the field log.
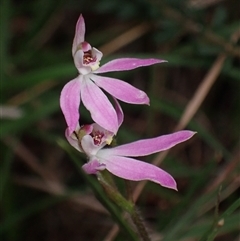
(102, 111)
(135, 170)
(121, 90)
(126, 64)
(73, 141)
(97, 54)
(93, 167)
(70, 101)
(149, 146)
(119, 112)
(78, 59)
(79, 34)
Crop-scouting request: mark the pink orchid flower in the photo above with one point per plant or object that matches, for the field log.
(100, 135)
(116, 160)
(87, 86)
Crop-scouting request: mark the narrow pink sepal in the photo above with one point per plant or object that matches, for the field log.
(126, 64)
(73, 141)
(119, 111)
(121, 90)
(79, 34)
(102, 111)
(69, 103)
(135, 170)
(150, 146)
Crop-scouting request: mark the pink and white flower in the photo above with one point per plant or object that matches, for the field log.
(87, 86)
(117, 159)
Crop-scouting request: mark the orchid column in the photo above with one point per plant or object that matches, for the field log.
(92, 139)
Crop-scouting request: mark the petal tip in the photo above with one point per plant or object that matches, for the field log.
(192, 133)
(172, 185)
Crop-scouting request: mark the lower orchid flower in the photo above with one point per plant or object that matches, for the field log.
(91, 140)
(100, 135)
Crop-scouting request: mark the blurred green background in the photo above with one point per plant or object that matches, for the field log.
(44, 194)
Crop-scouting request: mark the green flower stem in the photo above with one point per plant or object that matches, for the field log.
(140, 226)
(114, 194)
(126, 205)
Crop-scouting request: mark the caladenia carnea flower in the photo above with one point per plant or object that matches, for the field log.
(87, 86)
(92, 139)
(100, 135)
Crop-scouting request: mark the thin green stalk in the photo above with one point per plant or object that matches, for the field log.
(126, 205)
(139, 224)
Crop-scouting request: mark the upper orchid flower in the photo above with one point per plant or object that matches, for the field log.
(86, 86)
(115, 159)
